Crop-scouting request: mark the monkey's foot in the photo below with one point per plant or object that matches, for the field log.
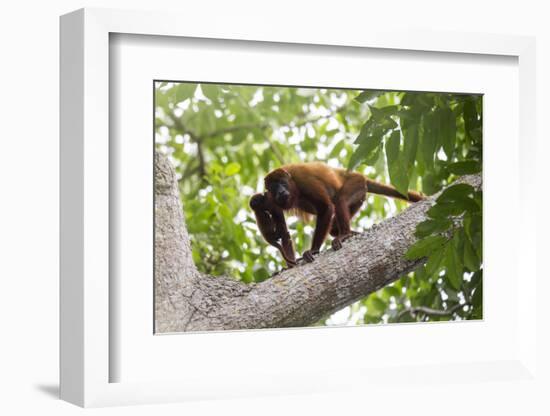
(308, 255)
(291, 264)
(280, 271)
(337, 242)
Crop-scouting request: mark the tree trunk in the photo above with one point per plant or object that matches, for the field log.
(187, 300)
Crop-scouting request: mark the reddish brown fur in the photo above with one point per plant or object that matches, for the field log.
(334, 195)
(272, 225)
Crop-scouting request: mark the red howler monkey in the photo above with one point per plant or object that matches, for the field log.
(334, 195)
(272, 225)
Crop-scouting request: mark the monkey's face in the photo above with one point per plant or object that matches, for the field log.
(280, 190)
(279, 185)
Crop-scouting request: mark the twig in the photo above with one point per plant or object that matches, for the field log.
(413, 311)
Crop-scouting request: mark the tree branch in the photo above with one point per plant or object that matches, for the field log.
(186, 300)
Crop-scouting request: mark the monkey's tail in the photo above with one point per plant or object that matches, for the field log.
(382, 189)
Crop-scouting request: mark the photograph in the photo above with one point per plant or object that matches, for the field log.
(292, 206)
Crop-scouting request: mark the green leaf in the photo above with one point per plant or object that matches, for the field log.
(448, 131)
(471, 261)
(430, 183)
(237, 251)
(260, 274)
(335, 152)
(470, 117)
(428, 143)
(389, 110)
(409, 117)
(409, 99)
(392, 291)
(462, 196)
(465, 168)
(453, 263)
(425, 247)
(426, 99)
(184, 91)
(359, 154)
(476, 278)
(475, 134)
(234, 250)
(469, 204)
(366, 131)
(380, 117)
(232, 169)
(376, 304)
(425, 228)
(376, 113)
(225, 211)
(210, 91)
(392, 147)
(396, 167)
(474, 227)
(456, 192)
(237, 137)
(367, 144)
(368, 95)
(161, 100)
(434, 261)
(443, 210)
(477, 298)
(410, 146)
(374, 157)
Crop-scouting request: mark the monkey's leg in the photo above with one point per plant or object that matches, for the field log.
(342, 218)
(340, 238)
(349, 201)
(353, 209)
(334, 229)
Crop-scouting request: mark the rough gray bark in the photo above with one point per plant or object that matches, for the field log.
(187, 300)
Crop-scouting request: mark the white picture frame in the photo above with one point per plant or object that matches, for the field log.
(85, 220)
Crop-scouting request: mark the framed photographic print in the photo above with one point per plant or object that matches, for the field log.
(311, 206)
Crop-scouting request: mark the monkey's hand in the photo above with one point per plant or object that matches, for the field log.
(308, 255)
